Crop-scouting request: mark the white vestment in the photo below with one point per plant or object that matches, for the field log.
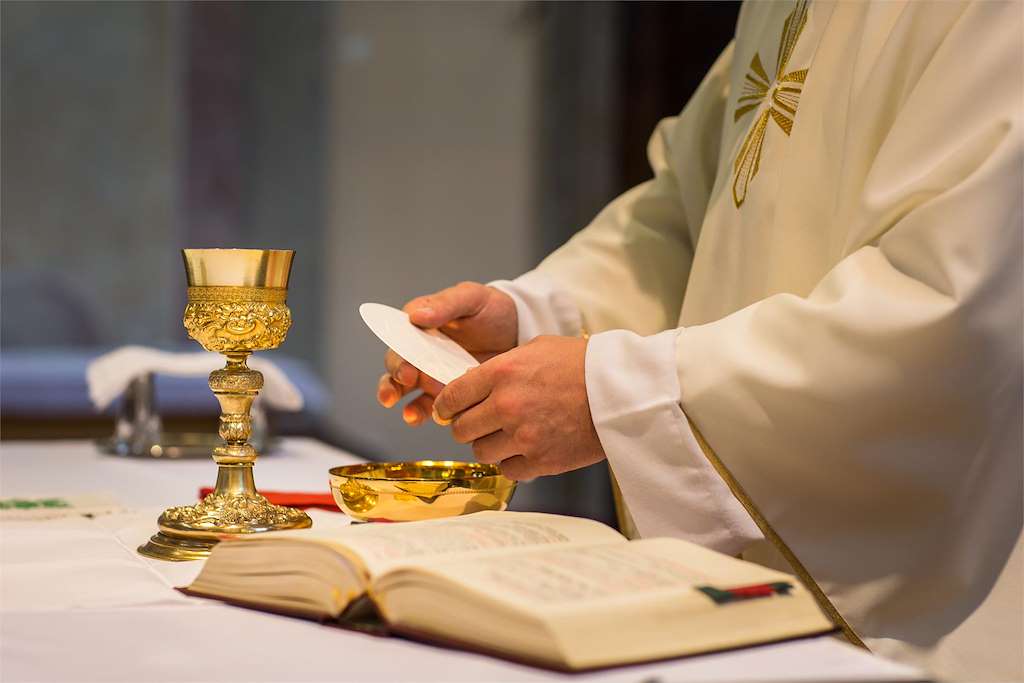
(824, 276)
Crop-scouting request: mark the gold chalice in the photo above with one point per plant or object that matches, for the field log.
(236, 305)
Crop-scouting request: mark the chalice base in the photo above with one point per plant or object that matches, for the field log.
(163, 547)
(190, 532)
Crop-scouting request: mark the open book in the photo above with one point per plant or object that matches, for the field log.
(560, 592)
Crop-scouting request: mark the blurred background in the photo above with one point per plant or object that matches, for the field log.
(397, 147)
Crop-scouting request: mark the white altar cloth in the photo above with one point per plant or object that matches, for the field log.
(78, 604)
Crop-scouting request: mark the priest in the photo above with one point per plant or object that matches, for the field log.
(801, 340)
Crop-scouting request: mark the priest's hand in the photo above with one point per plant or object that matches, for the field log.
(526, 409)
(482, 319)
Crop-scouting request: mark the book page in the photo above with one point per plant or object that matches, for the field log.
(485, 533)
(582, 606)
(563, 576)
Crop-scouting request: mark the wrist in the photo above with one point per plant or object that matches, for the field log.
(505, 307)
(542, 307)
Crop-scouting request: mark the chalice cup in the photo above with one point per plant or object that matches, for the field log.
(236, 305)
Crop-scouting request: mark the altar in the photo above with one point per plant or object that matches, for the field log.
(79, 603)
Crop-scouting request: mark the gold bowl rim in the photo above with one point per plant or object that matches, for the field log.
(366, 472)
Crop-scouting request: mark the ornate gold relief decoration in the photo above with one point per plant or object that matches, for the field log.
(224, 513)
(273, 295)
(237, 319)
(225, 326)
(780, 93)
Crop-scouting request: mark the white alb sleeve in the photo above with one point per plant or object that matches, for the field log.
(667, 483)
(542, 307)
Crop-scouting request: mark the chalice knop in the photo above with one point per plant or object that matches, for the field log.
(236, 305)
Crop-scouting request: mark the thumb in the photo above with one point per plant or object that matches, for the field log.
(434, 310)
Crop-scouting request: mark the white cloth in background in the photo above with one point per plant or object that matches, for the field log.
(825, 275)
(110, 374)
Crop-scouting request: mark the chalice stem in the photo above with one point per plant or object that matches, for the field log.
(236, 386)
(234, 507)
(235, 480)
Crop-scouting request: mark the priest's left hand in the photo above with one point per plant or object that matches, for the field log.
(527, 409)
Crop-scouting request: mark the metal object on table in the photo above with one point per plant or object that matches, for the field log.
(236, 305)
(137, 424)
(139, 430)
(425, 489)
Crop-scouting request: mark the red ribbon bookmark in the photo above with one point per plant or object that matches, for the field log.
(723, 596)
(303, 501)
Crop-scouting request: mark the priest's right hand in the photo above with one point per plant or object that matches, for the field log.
(480, 318)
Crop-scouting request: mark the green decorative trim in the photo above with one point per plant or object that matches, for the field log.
(26, 504)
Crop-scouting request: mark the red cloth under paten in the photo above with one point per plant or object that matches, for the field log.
(304, 501)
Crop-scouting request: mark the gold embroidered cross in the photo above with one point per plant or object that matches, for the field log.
(782, 95)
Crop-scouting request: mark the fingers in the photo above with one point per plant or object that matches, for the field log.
(519, 468)
(417, 410)
(477, 422)
(463, 393)
(402, 378)
(435, 310)
(494, 448)
(403, 373)
(430, 386)
(388, 393)
(500, 448)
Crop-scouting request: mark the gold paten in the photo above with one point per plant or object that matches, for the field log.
(412, 491)
(236, 305)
